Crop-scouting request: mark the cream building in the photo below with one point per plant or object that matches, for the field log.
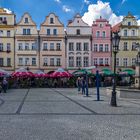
(52, 44)
(7, 41)
(26, 50)
(79, 44)
(129, 32)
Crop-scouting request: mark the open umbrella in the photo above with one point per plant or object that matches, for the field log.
(60, 73)
(4, 73)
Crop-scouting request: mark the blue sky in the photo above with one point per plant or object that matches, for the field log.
(113, 10)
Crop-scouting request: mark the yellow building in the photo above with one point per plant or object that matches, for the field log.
(129, 32)
(7, 40)
(26, 51)
(52, 44)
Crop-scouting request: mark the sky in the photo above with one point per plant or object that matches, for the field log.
(90, 10)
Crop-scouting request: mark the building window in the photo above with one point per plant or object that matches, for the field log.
(71, 46)
(133, 61)
(78, 46)
(106, 48)
(1, 32)
(133, 33)
(28, 32)
(33, 61)
(95, 61)
(20, 61)
(45, 46)
(26, 61)
(54, 31)
(125, 46)
(58, 46)
(103, 34)
(26, 46)
(133, 45)
(52, 46)
(8, 33)
(51, 21)
(117, 62)
(78, 32)
(48, 32)
(58, 62)
(26, 20)
(51, 61)
(101, 25)
(100, 47)
(129, 23)
(8, 61)
(33, 46)
(86, 62)
(95, 48)
(24, 31)
(101, 61)
(78, 62)
(20, 46)
(45, 62)
(8, 47)
(86, 47)
(106, 61)
(125, 32)
(98, 34)
(1, 46)
(71, 61)
(125, 63)
(1, 61)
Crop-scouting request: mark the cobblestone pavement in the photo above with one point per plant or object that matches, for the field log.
(63, 114)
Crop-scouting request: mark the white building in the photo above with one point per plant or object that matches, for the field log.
(78, 44)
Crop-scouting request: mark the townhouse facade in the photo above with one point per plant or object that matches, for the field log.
(130, 35)
(7, 40)
(101, 46)
(26, 44)
(78, 44)
(52, 44)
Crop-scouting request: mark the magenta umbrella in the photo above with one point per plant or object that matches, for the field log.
(60, 73)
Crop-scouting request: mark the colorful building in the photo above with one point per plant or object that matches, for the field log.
(78, 44)
(26, 49)
(130, 35)
(7, 40)
(52, 44)
(101, 44)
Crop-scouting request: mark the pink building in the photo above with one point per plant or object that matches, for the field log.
(101, 44)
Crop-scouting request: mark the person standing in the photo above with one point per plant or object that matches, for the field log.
(83, 85)
(4, 85)
(78, 83)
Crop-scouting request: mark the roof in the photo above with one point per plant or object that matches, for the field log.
(116, 27)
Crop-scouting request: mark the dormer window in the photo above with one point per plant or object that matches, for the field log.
(26, 20)
(51, 20)
(129, 23)
(78, 31)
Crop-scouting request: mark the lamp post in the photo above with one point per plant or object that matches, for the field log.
(138, 63)
(115, 47)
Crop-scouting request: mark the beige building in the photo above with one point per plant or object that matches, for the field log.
(129, 32)
(7, 41)
(26, 50)
(52, 44)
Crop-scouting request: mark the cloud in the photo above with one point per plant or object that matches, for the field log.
(58, 1)
(101, 9)
(66, 9)
(123, 1)
(86, 1)
(8, 11)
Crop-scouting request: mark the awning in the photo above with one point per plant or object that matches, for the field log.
(81, 72)
(129, 71)
(106, 71)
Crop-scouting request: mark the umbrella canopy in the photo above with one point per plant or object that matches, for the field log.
(60, 73)
(40, 74)
(129, 71)
(106, 71)
(4, 73)
(81, 72)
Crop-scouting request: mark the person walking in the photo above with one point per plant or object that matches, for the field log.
(4, 85)
(83, 85)
(78, 83)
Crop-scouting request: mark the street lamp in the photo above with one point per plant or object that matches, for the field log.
(115, 47)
